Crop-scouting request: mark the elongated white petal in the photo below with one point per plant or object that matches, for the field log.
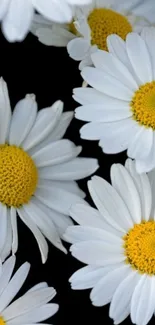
(38, 215)
(75, 169)
(55, 153)
(14, 286)
(124, 184)
(28, 302)
(103, 291)
(7, 270)
(17, 20)
(76, 234)
(36, 232)
(5, 111)
(123, 294)
(88, 216)
(23, 118)
(46, 121)
(110, 204)
(144, 189)
(88, 276)
(97, 253)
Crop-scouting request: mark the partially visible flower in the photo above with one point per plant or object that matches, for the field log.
(117, 242)
(38, 170)
(90, 27)
(120, 106)
(33, 306)
(17, 15)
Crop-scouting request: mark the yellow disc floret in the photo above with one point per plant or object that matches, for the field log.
(143, 105)
(18, 176)
(2, 321)
(104, 22)
(139, 244)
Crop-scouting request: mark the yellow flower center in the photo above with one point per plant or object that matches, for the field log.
(143, 105)
(139, 244)
(18, 176)
(104, 22)
(2, 321)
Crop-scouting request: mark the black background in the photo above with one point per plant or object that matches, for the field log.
(49, 73)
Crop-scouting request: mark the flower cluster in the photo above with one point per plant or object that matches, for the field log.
(113, 41)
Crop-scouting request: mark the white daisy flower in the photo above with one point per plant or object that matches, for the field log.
(38, 170)
(91, 26)
(17, 15)
(120, 106)
(33, 306)
(117, 242)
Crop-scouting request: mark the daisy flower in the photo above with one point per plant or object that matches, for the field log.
(90, 27)
(120, 106)
(38, 170)
(33, 306)
(117, 242)
(17, 15)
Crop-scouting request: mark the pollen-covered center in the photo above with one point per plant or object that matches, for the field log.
(104, 22)
(143, 105)
(18, 176)
(2, 321)
(139, 245)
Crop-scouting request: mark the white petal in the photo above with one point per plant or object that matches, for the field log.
(54, 10)
(37, 234)
(97, 253)
(54, 36)
(148, 34)
(147, 164)
(110, 204)
(103, 113)
(75, 234)
(8, 240)
(109, 64)
(5, 111)
(3, 8)
(70, 186)
(123, 183)
(75, 169)
(141, 145)
(13, 216)
(55, 153)
(88, 276)
(144, 189)
(138, 54)
(86, 96)
(142, 303)
(106, 83)
(36, 213)
(46, 121)
(119, 132)
(3, 226)
(103, 291)
(7, 270)
(78, 48)
(57, 199)
(56, 134)
(88, 216)
(28, 302)
(23, 118)
(17, 20)
(117, 47)
(122, 296)
(14, 286)
(38, 314)
(38, 287)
